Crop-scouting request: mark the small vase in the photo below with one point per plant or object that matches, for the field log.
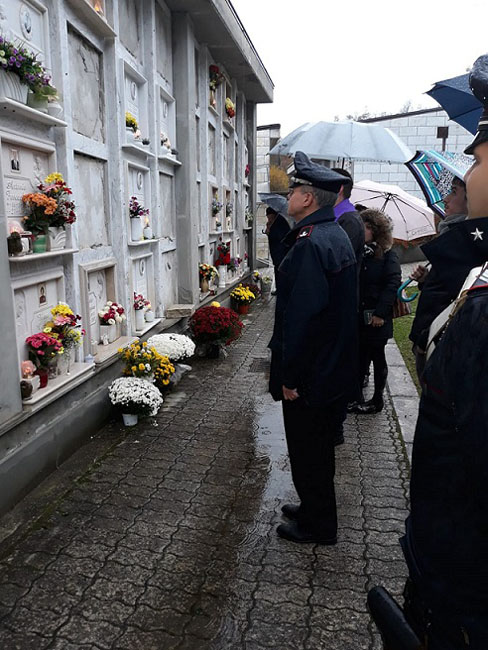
(38, 103)
(139, 319)
(57, 239)
(54, 109)
(130, 419)
(135, 229)
(12, 88)
(149, 316)
(39, 245)
(204, 285)
(43, 375)
(243, 309)
(64, 362)
(212, 99)
(110, 331)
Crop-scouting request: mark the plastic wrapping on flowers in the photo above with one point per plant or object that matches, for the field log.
(135, 395)
(174, 346)
(215, 325)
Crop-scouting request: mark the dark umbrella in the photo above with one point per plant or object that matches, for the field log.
(456, 98)
(276, 202)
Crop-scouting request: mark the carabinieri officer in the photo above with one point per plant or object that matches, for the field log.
(313, 347)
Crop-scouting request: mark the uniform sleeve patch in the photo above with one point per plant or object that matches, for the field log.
(306, 231)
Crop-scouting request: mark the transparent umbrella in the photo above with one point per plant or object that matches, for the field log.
(351, 140)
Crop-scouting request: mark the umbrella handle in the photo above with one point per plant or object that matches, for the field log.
(401, 288)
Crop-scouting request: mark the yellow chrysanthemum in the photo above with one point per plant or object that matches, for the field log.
(215, 304)
(142, 366)
(52, 178)
(134, 368)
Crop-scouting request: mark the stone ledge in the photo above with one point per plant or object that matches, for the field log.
(179, 311)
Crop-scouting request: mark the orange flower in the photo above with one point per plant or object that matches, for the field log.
(41, 201)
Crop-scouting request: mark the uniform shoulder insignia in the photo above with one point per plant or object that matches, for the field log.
(306, 231)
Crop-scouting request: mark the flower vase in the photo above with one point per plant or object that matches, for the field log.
(57, 239)
(43, 375)
(204, 285)
(110, 331)
(149, 316)
(243, 308)
(213, 102)
(11, 87)
(52, 368)
(130, 419)
(139, 319)
(39, 245)
(64, 362)
(36, 102)
(136, 229)
(222, 276)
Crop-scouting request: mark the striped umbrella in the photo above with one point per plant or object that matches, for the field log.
(434, 171)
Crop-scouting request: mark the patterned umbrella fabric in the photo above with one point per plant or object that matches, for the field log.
(434, 171)
(411, 217)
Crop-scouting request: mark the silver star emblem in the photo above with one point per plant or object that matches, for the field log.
(477, 234)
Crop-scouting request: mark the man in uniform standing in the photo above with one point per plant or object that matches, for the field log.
(312, 369)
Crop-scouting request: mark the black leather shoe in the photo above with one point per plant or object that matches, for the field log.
(290, 511)
(295, 533)
(370, 407)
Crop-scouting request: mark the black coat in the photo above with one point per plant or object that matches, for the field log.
(444, 280)
(314, 338)
(277, 232)
(446, 545)
(353, 225)
(379, 280)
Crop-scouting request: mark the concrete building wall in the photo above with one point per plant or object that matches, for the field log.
(150, 58)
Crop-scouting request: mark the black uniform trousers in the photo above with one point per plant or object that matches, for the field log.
(310, 438)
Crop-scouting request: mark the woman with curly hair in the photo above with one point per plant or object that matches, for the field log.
(379, 280)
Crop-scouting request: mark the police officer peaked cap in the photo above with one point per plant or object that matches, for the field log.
(309, 173)
(478, 82)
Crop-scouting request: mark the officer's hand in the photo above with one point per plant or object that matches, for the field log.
(419, 273)
(290, 393)
(376, 321)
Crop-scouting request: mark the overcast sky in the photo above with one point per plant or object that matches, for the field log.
(330, 58)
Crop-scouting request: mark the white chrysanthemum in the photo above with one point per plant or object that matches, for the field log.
(174, 346)
(136, 395)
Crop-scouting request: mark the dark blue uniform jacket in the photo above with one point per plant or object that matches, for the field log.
(446, 545)
(314, 338)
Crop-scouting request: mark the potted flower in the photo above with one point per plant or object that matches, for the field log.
(43, 348)
(242, 297)
(55, 187)
(234, 264)
(215, 78)
(216, 205)
(176, 348)
(41, 208)
(214, 326)
(266, 283)
(253, 288)
(230, 108)
(110, 315)
(21, 72)
(149, 313)
(65, 326)
(136, 213)
(131, 126)
(140, 304)
(206, 273)
(140, 359)
(247, 170)
(133, 397)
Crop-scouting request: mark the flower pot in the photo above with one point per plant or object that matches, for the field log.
(64, 362)
(149, 316)
(213, 350)
(204, 285)
(222, 276)
(39, 245)
(42, 373)
(139, 319)
(135, 229)
(11, 87)
(57, 239)
(110, 331)
(130, 419)
(242, 309)
(54, 109)
(39, 103)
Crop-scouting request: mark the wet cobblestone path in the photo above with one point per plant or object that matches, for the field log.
(168, 540)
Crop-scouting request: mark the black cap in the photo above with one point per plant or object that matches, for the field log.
(478, 82)
(309, 173)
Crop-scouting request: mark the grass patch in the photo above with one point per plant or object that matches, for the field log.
(401, 330)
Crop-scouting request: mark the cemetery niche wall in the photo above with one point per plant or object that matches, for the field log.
(122, 167)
